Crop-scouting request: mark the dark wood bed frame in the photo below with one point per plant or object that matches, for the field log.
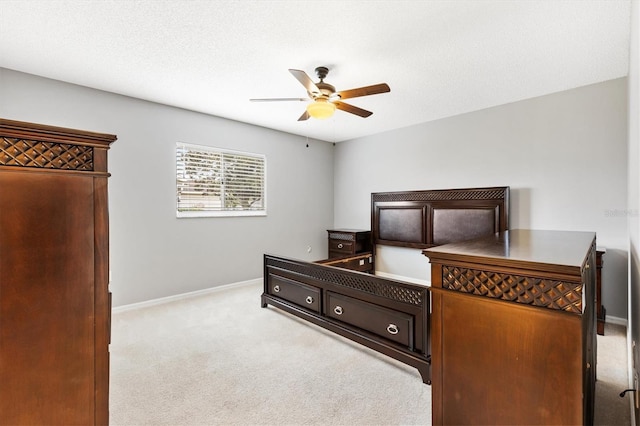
(387, 315)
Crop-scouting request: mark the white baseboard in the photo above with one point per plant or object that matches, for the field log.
(402, 278)
(616, 320)
(162, 300)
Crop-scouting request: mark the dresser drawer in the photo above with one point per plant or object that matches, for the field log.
(390, 324)
(300, 294)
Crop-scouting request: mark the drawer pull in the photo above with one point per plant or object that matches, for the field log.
(276, 288)
(338, 310)
(392, 329)
(309, 300)
(340, 245)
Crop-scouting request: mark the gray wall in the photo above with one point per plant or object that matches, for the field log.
(154, 254)
(564, 156)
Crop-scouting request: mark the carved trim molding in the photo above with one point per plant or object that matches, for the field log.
(368, 284)
(48, 155)
(436, 195)
(552, 294)
(341, 236)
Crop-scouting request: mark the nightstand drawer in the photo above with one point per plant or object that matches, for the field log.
(390, 324)
(341, 246)
(306, 296)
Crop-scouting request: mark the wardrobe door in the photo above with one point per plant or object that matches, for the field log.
(47, 298)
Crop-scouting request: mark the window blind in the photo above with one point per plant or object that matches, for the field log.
(218, 182)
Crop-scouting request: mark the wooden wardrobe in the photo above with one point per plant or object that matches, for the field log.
(54, 275)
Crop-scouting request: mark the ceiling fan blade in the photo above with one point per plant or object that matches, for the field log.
(279, 99)
(303, 78)
(304, 116)
(352, 109)
(364, 91)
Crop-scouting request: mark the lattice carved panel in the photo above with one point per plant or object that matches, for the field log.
(490, 194)
(358, 282)
(48, 155)
(550, 294)
(341, 236)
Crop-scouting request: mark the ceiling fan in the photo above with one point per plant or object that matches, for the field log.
(325, 97)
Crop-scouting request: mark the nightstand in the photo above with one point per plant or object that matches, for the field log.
(345, 242)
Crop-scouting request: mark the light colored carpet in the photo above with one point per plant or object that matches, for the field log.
(220, 359)
(611, 375)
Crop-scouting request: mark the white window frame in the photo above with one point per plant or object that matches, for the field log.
(204, 211)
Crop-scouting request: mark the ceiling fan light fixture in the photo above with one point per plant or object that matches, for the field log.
(321, 109)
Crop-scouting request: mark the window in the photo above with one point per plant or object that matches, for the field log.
(219, 182)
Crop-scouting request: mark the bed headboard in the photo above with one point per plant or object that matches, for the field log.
(423, 219)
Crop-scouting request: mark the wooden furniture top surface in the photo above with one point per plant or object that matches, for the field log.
(561, 251)
(22, 129)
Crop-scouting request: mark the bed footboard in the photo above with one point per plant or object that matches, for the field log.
(388, 316)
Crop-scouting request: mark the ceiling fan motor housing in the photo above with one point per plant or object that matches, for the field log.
(326, 90)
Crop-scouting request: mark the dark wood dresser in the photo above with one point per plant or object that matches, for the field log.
(513, 329)
(601, 311)
(346, 242)
(54, 274)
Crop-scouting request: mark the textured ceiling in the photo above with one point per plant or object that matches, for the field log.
(440, 58)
